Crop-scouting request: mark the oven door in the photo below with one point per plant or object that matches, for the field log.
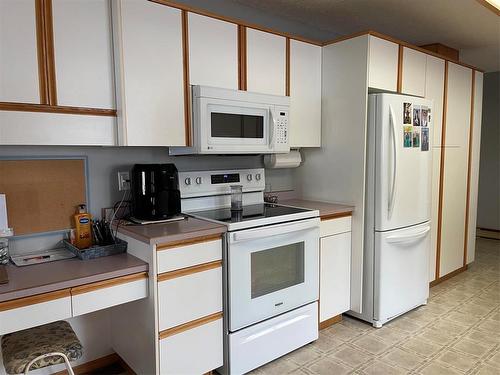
(272, 270)
(234, 126)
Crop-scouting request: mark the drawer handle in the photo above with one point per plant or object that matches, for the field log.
(190, 325)
(108, 283)
(189, 270)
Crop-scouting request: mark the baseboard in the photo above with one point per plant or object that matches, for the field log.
(97, 364)
(447, 276)
(330, 322)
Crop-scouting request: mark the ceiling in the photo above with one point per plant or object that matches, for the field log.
(466, 25)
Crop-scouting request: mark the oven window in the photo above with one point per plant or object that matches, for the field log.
(277, 268)
(230, 125)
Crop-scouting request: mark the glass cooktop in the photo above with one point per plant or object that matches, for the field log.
(249, 212)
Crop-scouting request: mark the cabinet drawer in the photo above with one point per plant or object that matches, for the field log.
(335, 226)
(194, 351)
(101, 295)
(191, 296)
(33, 311)
(174, 258)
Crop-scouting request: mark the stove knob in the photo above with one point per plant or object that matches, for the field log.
(257, 176)
(249, 177)
(187, 181)
(198, 180)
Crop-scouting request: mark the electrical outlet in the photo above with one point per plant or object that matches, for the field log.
(123, 181)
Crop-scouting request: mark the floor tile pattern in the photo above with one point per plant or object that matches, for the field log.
(457, 332)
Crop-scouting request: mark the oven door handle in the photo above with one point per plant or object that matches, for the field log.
(257, 233)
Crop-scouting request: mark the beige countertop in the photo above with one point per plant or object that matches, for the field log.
(173, 232)
(326, 210)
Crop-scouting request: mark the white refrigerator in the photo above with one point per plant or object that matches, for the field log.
(398, 206)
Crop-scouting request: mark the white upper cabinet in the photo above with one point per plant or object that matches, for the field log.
(382, 64)
(413, 72)
(149, 74)
(266, 62)
(83, 51)
(213, 52)
(305, 94)
(18, 52)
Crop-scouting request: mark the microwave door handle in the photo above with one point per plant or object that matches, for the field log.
(258, 233)
(273, 127)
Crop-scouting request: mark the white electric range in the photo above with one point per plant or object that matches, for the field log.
(271, 266)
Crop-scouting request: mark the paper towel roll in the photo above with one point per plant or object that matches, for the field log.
(290, 160)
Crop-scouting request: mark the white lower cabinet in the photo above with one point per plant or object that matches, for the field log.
(194, 351)
(335, 269)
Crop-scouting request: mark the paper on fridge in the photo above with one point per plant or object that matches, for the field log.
(4, 225)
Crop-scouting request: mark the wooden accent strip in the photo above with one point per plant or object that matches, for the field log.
(32, 300)
(489, 229)
(49, 49)
(400, 69)
(187, 85)
(190, 325)
(447, 276)
(335, 216)
(30, 107)
(189, 270)
(489, 6)
(41, 52)
(108, 283)
(98, 364)
(287, 67)
(441, 172)
(207, 13)
(401, 42)
(449, 52)
(242, 57)
(189, 241)
(329, 322)
(469, 165)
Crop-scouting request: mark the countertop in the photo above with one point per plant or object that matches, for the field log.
(173, 232)
(326, 210)
(51, 276)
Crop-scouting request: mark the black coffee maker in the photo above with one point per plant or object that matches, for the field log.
(155, 192)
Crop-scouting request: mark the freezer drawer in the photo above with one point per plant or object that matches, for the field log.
(401, 270)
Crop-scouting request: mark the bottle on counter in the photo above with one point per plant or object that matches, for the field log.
(83, 227)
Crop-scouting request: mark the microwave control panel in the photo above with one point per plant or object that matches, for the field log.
(281, 133)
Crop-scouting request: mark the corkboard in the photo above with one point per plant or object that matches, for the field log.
(42, 194)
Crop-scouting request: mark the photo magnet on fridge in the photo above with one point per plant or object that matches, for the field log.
(425, 139)
(424, 113)
(407, 112)
(416, 116)
(416, 137)
(407, 134)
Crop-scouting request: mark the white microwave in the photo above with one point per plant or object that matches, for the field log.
(237, 122)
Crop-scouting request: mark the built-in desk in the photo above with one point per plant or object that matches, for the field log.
(47, 292)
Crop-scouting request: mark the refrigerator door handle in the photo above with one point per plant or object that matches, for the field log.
(409, 237)
(392, 193)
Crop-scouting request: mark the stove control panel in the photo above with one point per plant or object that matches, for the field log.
(211, 183)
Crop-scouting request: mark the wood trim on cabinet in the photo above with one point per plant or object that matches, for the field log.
(242, 57)
(190, 325)
(329, 322)
(33, 300)
(187, 85)
(98, 364)
(49, 50)
(41, 52)
(189, 270)
(469, 165)
(447, 276)
(287, 67)
(335, 216)
(489, 6)
(441, 172)
(236, 21)
(401, 42)
(189, 241)
(108, 283)
(400, 69)
(30, 107)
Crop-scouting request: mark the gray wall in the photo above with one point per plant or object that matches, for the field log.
(488, 212)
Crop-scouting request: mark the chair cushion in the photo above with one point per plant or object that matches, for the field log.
(21, 347)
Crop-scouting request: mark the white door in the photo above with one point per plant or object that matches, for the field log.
(401, 270)
(272, 270)
(403, 161)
